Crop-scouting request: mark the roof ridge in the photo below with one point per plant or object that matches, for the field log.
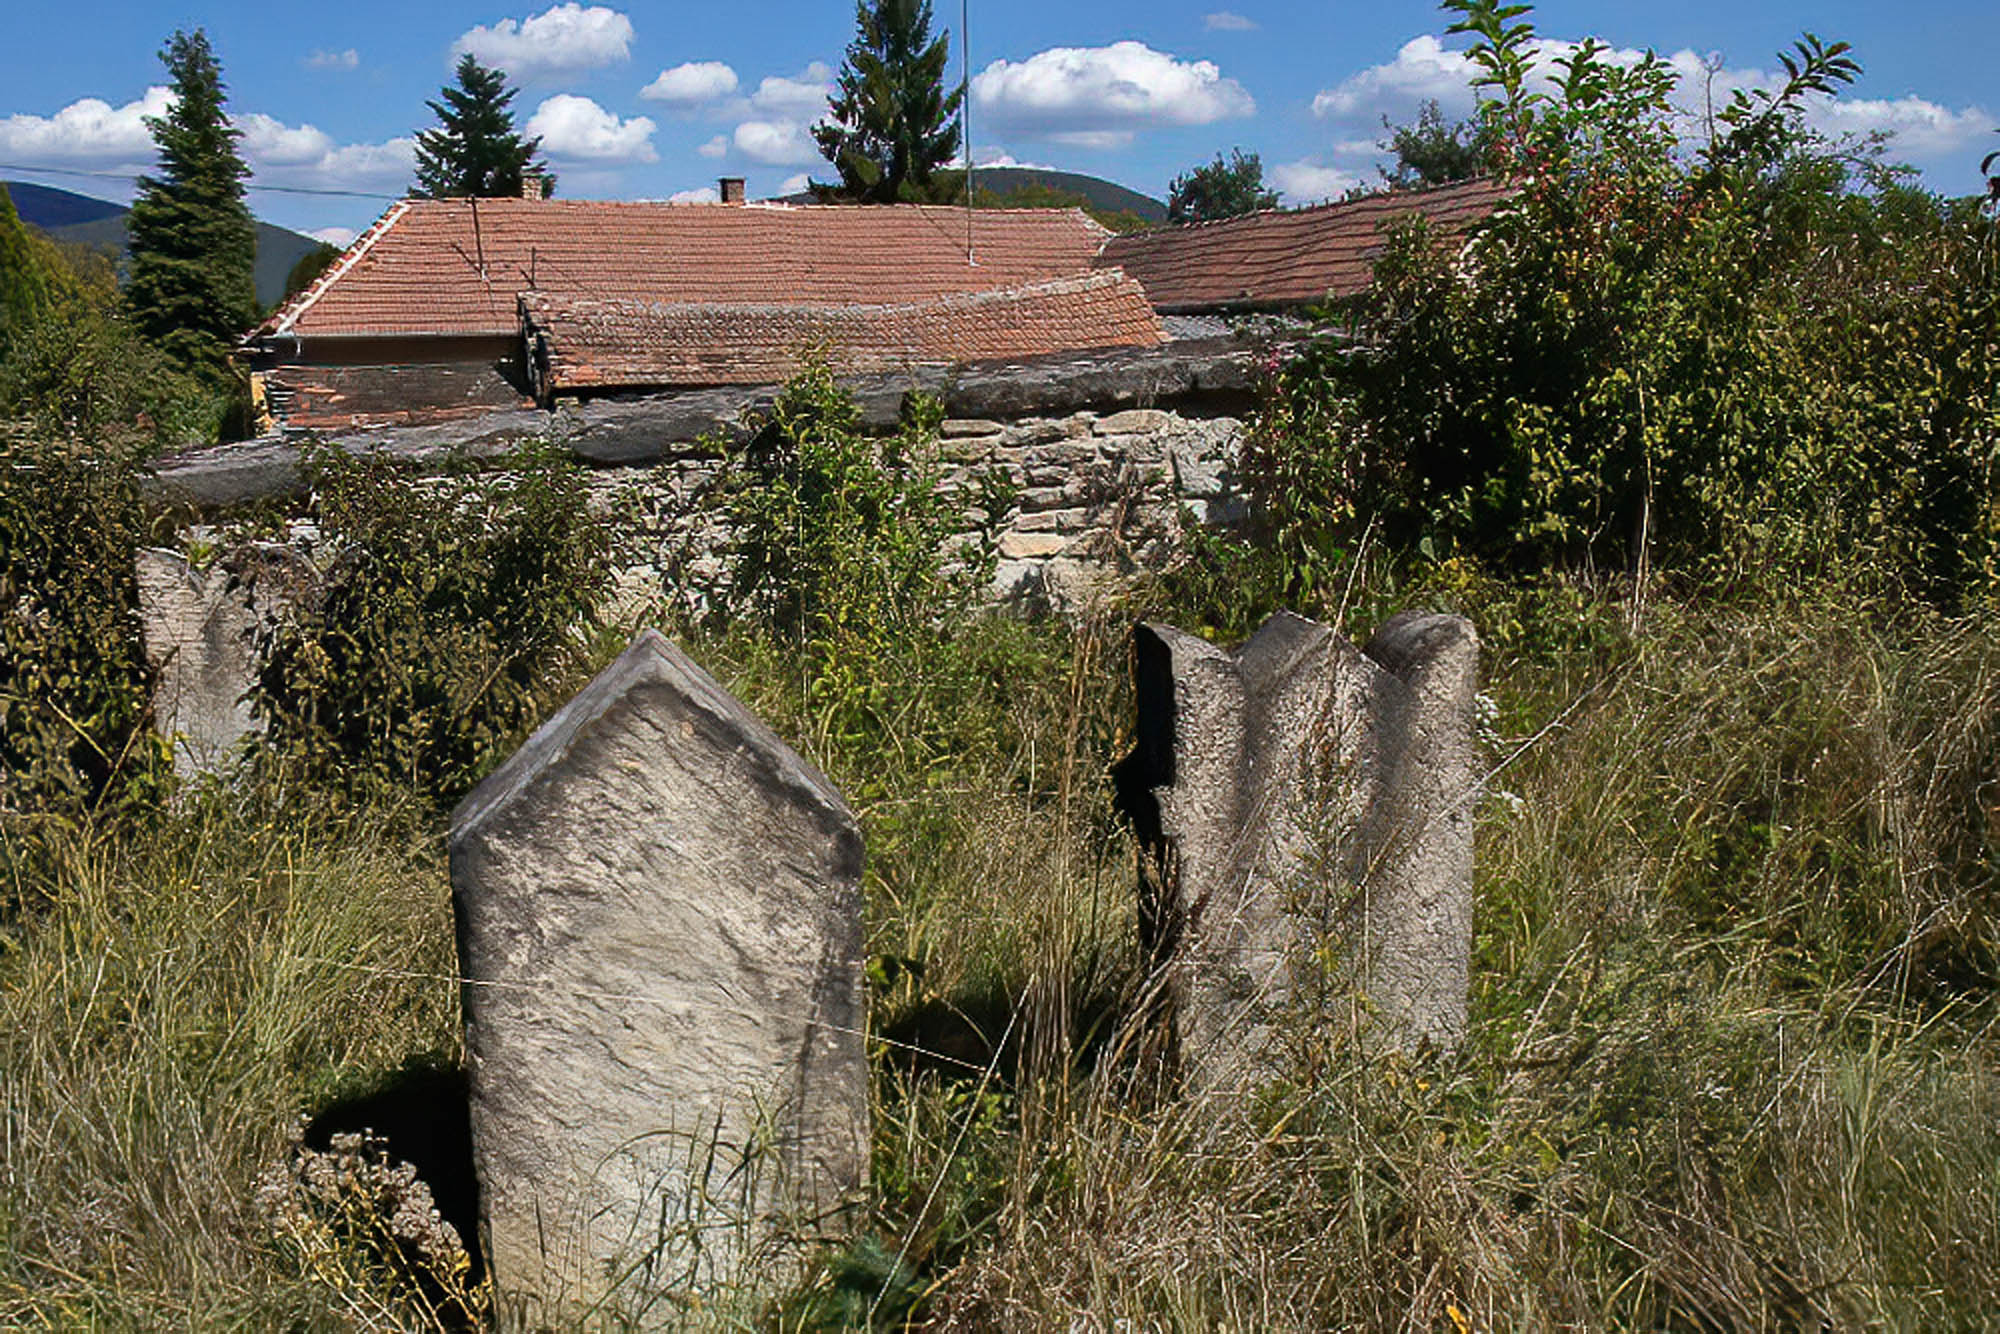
(1074, 282)
(301, 302)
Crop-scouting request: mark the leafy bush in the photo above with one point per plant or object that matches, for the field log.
(852, 550)
(1761, 356)
(75, 687)
(450, 606)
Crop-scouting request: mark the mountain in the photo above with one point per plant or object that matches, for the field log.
(1107, 195)
(1101, 194)
(83, 220)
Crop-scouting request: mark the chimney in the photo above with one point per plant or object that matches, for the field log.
(732, 189)
(534, 185)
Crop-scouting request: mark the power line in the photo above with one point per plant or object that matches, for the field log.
(134, 180)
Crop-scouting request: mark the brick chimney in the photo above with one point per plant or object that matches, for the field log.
(534, 185)
(732, 189)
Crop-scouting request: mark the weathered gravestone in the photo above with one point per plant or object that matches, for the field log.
(660, 930)
(201, 629)
(1305, 811)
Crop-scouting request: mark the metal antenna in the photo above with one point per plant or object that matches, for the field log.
(965, 117)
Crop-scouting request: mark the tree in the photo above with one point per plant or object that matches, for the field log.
(475, 150)
(892, 125)
(1220, 190)
(309, 267)
(21, 281)
(193, 242)
(1432, 151)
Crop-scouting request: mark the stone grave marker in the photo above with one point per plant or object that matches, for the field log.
(1305, 813)
(201, 628)
(659, 929)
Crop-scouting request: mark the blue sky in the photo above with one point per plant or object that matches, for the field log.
(646, 100)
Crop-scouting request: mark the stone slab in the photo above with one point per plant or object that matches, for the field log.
(660, 926)
(1304, 810)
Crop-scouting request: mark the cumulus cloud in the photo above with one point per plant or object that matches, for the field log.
(1424, 69)
(577, 128)
(340, 236)
(776, 143)
(716, 147)
(87, 130)
(694, 84)
(1099, 96)
(802, 96)
(334, 60)
(567, 39)
(270, 142)
(1310, 182)
(795, 184)
(705, 195)
(1224, 20)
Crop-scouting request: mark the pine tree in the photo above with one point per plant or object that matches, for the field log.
(892, 125)
(194, 244)
(475, 151)
(1220, 190)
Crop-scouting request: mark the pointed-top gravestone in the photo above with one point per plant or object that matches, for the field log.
(660, 930)
(1304, 810)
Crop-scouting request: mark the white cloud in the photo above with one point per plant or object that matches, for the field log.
(707, 194)
(270, 142)
(695, 84)
(795, 185)
(1099, 96)
(1919, 128)
(1923, 131)
(776, 143)
(578, 129)
(87, 130)
(1309, 182)
(1224, 20)
(1423, 70)
(567, 39)
(716, 147)
(340, 236)
(801, 96)
(334, 60)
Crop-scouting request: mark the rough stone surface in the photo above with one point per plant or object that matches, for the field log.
(200, 628)
(659, 923)
(1305, 813)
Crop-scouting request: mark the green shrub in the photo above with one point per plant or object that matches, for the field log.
(75, 687)
(453, 606)
(1758, 358)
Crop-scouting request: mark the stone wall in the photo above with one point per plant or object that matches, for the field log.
(1107, 454)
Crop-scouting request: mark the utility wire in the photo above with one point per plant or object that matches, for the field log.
(134, 180)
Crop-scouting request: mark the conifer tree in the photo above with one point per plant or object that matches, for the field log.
(21, 280)
(892, 125)
(194, 244)
(475, 151)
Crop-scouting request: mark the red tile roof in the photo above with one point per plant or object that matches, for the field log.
(584, 344)
(454, 266)
(1286, 258)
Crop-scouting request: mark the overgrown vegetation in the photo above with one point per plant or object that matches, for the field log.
(1696, 440)
(452, 607)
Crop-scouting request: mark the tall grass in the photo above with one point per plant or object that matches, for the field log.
(175, 1002)
(1734, 1062)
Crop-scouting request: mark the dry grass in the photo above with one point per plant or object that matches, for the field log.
(1735, 1059)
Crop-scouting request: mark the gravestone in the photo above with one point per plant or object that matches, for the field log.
(200, 627)
(659, 929)
(1305, 810)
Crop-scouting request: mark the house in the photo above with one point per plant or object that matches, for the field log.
(1287, 259)
(454, 307)
(424, 316)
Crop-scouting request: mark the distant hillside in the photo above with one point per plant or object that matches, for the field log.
(1109, 196)
(83, 220)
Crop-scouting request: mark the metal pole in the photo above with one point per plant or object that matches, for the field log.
(965, 117)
